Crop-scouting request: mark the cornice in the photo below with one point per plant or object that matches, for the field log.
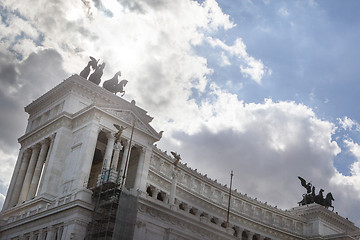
(95, 92)
(315, 211)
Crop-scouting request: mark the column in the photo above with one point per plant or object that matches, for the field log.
(51, 231)
(250, 235)
(29, 173)
(173, 187)
(68, 232)
(20, 179)
(109, 149)
(42, 234)
(14, 179)
(239, 231)
(115, 160)
(139, 169)
(126, 164)
(39, 164)
(123, 160)
(155, 192)
(51, 144)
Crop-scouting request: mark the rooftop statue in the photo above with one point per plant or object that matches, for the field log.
(86, 71)
(305, 185)
(95, 77)
(118, 134)
(310, 197)
(177, 157)
(114, 86)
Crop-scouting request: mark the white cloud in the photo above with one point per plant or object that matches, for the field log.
(253, 68)
(348, 124)
(2, 200)
(283, 12)
(224, 60)
(7, 165)
(267, 144)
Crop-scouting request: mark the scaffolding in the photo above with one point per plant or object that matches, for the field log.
(106, 196)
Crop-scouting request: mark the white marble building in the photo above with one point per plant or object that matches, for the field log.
(69, 140)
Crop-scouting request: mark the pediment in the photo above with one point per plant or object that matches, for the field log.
(130, 117)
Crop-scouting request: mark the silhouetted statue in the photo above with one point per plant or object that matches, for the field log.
(305, 185)
(177, 157)
(310, 196)
(86, 71)
(114, 86)
(95, 77)
(328, 201)
(118, 134)
(319, 199)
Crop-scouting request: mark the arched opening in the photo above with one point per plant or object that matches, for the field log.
(244, 236)
(182, 206)
(160, 196)
(193, 211)
(149, 191)
(214, 220)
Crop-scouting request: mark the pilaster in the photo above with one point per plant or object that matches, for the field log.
(87, 154)
(54, 168)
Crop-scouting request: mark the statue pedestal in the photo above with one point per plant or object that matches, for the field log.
(321, 222)
(108, 176)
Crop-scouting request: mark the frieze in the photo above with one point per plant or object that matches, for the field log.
(33, 137)
(129, 117)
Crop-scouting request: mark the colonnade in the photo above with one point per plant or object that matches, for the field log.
(28, 172)
(111, 158)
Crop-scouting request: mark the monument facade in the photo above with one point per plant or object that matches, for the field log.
(88, 168)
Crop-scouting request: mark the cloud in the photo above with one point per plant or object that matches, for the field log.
(154, 50)
(249, 66)
(23, 82)
(283, 12)
(153, 43)
(2, 200)
(347, 123)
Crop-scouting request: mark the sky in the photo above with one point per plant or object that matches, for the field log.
(265, 88)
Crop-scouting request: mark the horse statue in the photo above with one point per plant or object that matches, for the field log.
(95, 77)
(113, 86)
(328, 201)
(307, 199)
(86, 71)
(319, 199)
